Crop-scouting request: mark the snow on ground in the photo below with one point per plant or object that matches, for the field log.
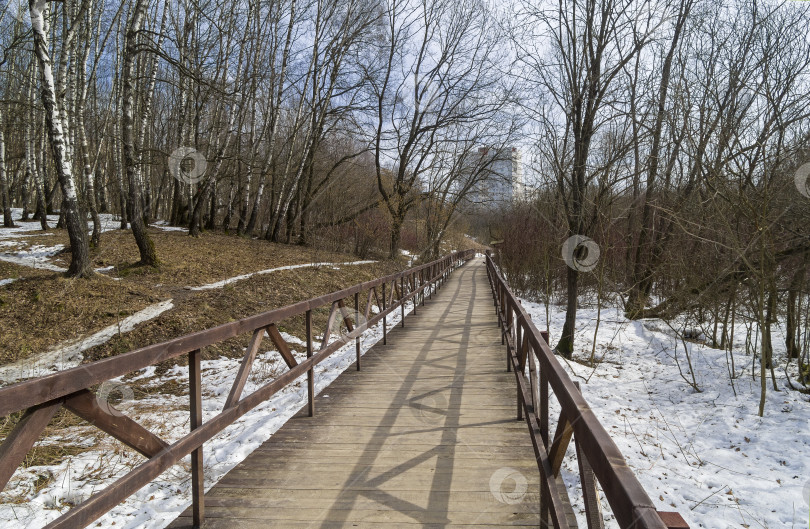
(157, 504)
(108, 221)
(69, 354)
(704, 454)
(411, 257)
(37, 256)
(220, 284)
(164, 225)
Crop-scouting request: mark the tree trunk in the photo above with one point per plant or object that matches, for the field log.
(89, 190)
(226, 222)
(146, 247)
(25, 191)
(101, 188)
(8, 222)
(212, 215)
(196, 215)
(396, 235)
(31, 159)
(76, 225)
(566, 344)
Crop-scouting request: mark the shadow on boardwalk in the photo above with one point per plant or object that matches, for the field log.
(424, 436)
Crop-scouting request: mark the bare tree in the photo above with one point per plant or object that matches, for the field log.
(54, 115)
(436, 63)
(590, 43)
(8, 222)
(146, 247)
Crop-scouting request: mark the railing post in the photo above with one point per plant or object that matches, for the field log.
(498, 302)
(546, 499)
(507, 317)
(356, 325)
(311, 371)
(424, 284)
(402, 298)
(385, 330)
(544, 397)
(519, 352)
(412, 282)
(195, 411)
(503, 314)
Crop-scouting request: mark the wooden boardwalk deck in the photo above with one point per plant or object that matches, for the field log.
(424, 436)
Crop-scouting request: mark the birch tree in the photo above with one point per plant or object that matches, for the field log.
(8, 222)
(30, 148)
(74, 220)
(146, 247)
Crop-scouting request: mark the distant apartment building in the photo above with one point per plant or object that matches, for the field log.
(502, 181)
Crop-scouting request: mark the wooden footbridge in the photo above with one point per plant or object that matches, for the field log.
(429, 428)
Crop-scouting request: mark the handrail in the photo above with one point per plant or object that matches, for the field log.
(40, 398)
(598, 456)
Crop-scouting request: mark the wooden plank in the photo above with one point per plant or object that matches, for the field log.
(311, 371)
(357, 340)
(329, 322)
(372, 294)
(590, 492)
(673, 520)
(25, 433)
(562, 437)
(111, 421)
(347, 318)
(402, 301)
(195, 413)
(244, 369)
(282, 346)
(384, 322)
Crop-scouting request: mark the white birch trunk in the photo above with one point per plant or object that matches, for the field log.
(146, 247)
(81, 99)
(8, 222)
(76, 225)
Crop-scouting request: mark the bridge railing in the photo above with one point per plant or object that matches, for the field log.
(40, 398)
(598, 457)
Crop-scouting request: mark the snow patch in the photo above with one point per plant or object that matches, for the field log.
(69, 354)
(706, 454)
(220, 284)
(36, 256)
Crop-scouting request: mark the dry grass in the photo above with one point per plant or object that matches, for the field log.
(49, 453)
(43, 309)
(207, 309)
(188, 261)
